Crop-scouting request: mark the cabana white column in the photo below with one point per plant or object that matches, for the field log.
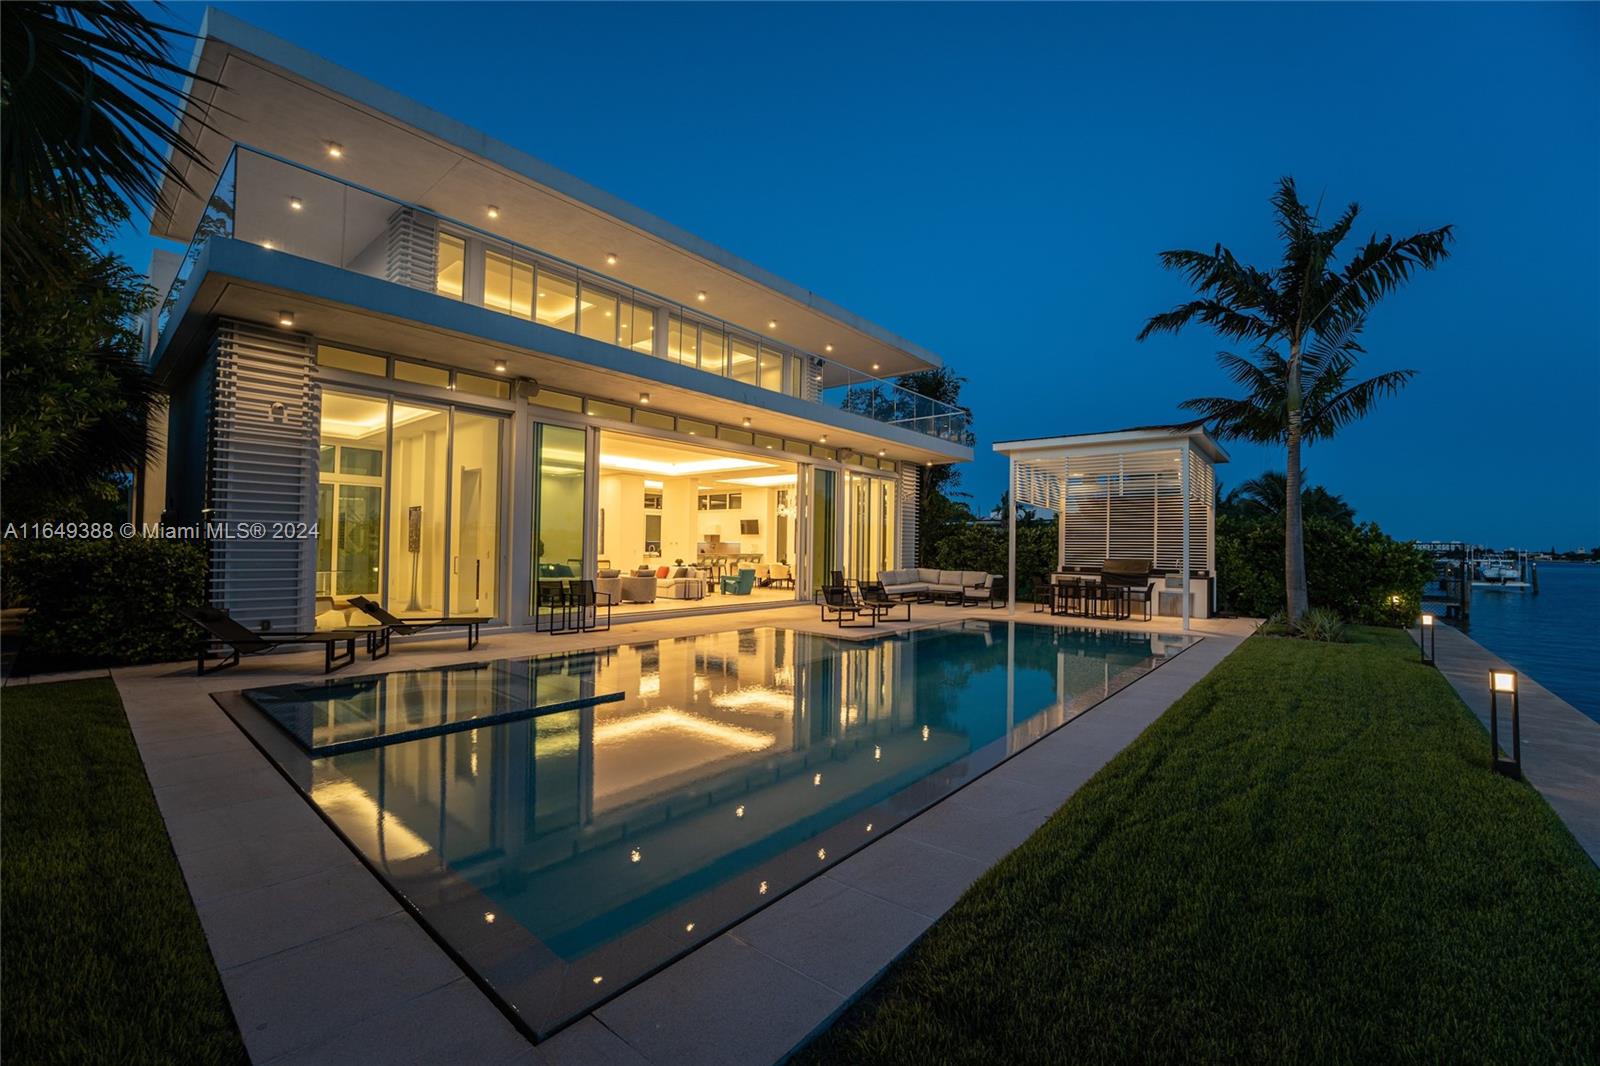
(1011, 539)
(1183, 490)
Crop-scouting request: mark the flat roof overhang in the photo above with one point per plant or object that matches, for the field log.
(237, 279)
(1139, 439)
(286, 100)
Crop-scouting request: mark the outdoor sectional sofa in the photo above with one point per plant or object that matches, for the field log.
(923, 583)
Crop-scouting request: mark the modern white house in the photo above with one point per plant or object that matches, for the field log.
(464, 372)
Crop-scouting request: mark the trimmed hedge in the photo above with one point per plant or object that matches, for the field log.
(1356, 571)
(106, 602)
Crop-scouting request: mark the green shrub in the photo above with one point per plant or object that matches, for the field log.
(1319, 623)
(1359, 572)
(106, 602)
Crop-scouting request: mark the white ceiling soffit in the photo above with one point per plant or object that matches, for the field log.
(286, 100)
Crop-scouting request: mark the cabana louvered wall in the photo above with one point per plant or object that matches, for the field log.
(1121, 496)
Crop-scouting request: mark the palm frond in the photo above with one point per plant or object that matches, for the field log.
(1383, 266)
(1352, 403)
(1230, 419)
(1226, 320)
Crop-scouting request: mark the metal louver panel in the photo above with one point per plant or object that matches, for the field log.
(910, 514)
(261, 469)
(1126, 506)
(411, 250)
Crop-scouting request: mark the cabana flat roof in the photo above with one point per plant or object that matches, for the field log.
(1138, 438)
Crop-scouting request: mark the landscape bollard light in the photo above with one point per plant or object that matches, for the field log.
(1426, 646)
(1505, 681)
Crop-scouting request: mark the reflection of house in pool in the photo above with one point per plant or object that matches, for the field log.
(600, 841)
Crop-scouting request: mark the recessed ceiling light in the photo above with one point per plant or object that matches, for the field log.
(335, 150)
(747, 423)
(286, 318)
(881, 452)
(822, 439)
(644, 398)
(611, 259)
(295, 203)
(488, 916)
(701, 296)
(500, 366)
(827, 347)
(267, 245)
(772, 323)
(874, 366)
(494, 212)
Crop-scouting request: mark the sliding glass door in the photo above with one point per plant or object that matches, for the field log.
(408, 508)
(558, 506)
(869, 526)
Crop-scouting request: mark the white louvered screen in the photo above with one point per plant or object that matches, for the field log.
(1124, 506)
(261, 467)
(411, 250)
(910, 514)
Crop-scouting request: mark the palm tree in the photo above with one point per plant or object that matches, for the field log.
(1264, 496)
(1314, 309)
(90, 103)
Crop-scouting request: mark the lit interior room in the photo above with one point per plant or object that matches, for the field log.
(684, 528)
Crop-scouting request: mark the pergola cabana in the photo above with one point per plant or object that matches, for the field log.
(1122, 495)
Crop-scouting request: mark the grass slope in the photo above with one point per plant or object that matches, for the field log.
(104, 959)
(1306, 858)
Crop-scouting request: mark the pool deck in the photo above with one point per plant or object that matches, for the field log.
(1560, 744)
(321, 964)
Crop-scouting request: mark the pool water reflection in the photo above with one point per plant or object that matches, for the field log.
(566, 855)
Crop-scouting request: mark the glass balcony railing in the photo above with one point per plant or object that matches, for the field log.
(283, 206)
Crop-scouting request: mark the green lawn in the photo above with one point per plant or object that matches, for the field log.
(104, 959)
(1306, 859)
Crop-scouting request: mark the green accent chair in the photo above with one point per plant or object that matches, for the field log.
(740, 585)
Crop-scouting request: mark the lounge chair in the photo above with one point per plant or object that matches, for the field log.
(390, 624)
(841, 605)
(875, 599)
(739, 586)
(222, 629)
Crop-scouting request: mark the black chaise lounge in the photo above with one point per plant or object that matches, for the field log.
(875, 598)
(390, 624)
(223, 631)
(838, 605)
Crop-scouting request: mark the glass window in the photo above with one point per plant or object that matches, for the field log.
(696, 428)
(683, 344)
(771, 369)
(652, 534)
(475, 514)
(356, 362)
(713, 351)
(737, 436)
(561, 401)
(417, 510)
(507, 285)
(597, 315)
(422, 374)
(354, 432)
(601, 409)
(557, 304)
(499, 388)
(743, 361)
(655, 419)
(558, 507)
(452, 266)
(638, 327)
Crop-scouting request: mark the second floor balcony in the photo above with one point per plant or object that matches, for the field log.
(286, 207)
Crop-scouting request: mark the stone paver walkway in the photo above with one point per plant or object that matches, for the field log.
(1560, 744)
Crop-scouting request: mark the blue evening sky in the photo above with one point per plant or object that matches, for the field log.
(994, 182)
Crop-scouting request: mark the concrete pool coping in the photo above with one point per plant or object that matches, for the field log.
(320, 962)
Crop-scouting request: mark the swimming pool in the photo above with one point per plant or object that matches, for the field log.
(568, 824)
